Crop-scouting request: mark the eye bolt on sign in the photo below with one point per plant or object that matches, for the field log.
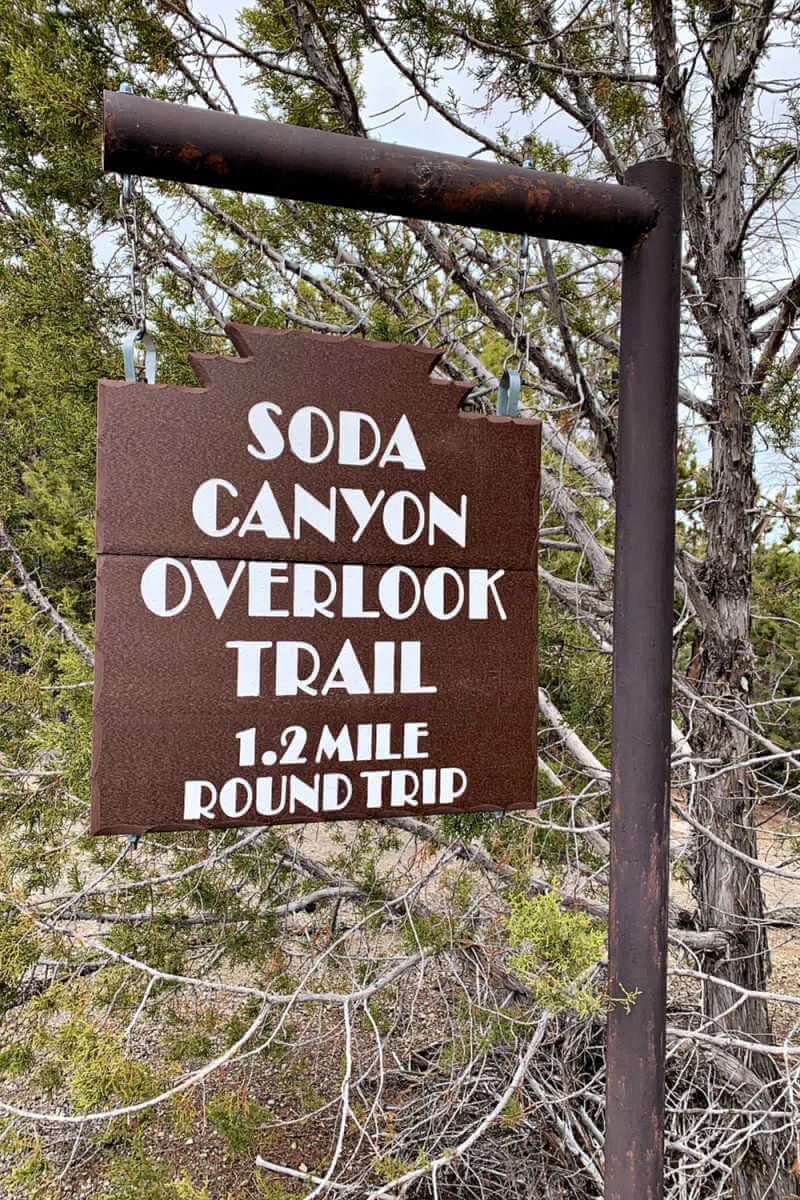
(316, 592)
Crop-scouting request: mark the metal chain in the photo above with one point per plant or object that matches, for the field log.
(137, 335)
(130, 224)
(511, 380)
(521, 338)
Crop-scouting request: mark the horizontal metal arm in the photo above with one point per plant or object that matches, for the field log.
(244, 154)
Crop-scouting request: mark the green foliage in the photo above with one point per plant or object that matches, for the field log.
(271, 1189)
(30, 1172)
(424, 932)
(776, 642)
(49, 1077)
(98, 1070)
(19, 948)
(388, 1168)
(191, 1045)
(53, 62)
(60, 308)
(51, 308)
(157, 943)
(556, 951)
(468, 826)
(776, 408)
(137, 1177)
(15, 1059)
(237, 1119)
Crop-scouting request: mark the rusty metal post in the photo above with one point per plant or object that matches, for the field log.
(215, 149)
(643, 599)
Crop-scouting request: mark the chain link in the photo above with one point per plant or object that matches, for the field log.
(129, 216)
(128, 209)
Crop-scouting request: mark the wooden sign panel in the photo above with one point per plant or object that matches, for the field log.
(316, 592)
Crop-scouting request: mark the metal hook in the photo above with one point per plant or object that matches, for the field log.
(129, 356)
(508, 394)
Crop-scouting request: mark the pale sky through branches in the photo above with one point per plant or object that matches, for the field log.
(394, 114)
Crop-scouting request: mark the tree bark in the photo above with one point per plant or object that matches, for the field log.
(728, 888)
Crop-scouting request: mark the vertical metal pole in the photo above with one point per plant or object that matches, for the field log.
(643, 599)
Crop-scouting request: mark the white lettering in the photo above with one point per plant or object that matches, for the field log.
(404, 787)
(153, 587)
(288, 680)
(350, 438)
(212, 581)
(394, 517)
(264, 803)
(228, 797)
(411, 669)
(389, 592)
(316, 514)
(375, 787)
(480, 585)
(442, 516)
(270, 438)
(412, 732)
(204, 507)
(262, 577)
(449, 788)
(331, 784)
(300, 434)
(248, 666)
(353, 593)
(264, 516)
(402, 448)
(356, 500)
(346, 674)
(339, 747)
(434, 593)
(306, 603)
(193, 806)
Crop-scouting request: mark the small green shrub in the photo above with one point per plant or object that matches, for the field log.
(237, 1120)
(19, 948)
(16, 1059)
(49, 1077)
(136, 1177)
(557, 951)
(195, 1044)
(271, 1189)
(97, 1067)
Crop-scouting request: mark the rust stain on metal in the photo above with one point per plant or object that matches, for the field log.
(216, 163)
(190, 154)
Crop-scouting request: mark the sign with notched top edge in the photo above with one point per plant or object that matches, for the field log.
(316, 592)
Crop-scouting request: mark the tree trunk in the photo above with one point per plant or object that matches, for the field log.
(727, 887)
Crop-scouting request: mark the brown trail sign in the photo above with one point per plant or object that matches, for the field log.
(316, 592)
